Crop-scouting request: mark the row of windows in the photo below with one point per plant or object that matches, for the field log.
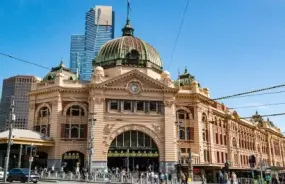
(73, 131)
(221, 139)
(186, 133)
(135, 106)
(222, 157)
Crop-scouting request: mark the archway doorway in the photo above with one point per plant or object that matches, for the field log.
(40, 160)
(71, 159)
(133, 150)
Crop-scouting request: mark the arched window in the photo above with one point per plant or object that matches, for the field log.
(204, 118)
(75, 110)
(133, 56)
(43, 112)
(43, 121)
(234, 142)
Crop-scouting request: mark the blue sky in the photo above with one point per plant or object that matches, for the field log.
(230, 46)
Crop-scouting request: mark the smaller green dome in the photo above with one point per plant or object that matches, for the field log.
(60, 69)
(185, 79)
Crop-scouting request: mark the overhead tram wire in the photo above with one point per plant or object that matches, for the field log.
(267, 115)
(263, 105)
(24, 61)
(178, 34)
(238, 94)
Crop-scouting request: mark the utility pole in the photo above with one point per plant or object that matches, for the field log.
(190, 166)
(12, 118)
(91, 143)
(20, 156)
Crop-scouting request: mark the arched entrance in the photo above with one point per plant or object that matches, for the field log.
(71, 159)
(131, 149)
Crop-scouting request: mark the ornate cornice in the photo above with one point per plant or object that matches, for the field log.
(134, 73)
(57, 89)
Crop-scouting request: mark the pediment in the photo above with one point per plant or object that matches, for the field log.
(146, 82)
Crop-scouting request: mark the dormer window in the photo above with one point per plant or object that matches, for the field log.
(133, 56)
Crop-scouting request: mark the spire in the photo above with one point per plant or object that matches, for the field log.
(185, 71)
(128, 30)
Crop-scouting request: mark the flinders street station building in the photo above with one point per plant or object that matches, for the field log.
(133, 113)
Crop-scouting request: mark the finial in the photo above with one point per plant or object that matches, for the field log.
(61, 63)
(256, 113)
(185, 71)
(128, 30)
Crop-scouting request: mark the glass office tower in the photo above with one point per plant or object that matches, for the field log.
(99, 28)
(77, 48)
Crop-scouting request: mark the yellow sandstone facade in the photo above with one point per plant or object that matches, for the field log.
(137, 108)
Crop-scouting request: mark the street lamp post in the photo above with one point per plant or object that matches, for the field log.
(91, 143)
(12, 118)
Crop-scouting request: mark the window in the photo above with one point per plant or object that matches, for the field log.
(74, 131)
(114, 105)
(140, 105)
(75, 110)
(127, 105)
(221, 138)
(225, 139)
(182, 134)
(44, 112)
(217, 138)
(153, 106)
(218, 157)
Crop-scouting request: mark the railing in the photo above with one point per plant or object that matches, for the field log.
(102, 177)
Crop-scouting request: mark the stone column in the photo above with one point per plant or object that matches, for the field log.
(99, 159)
(211, 137)
(54, 157)
(170, 138)
(270, 156)
(198, 133)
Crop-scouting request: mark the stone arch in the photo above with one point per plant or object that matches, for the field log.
(158, 141)
(84, 107)
(40, 107)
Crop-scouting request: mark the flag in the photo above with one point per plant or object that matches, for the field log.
(129, 6)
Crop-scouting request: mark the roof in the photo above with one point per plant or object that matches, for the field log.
(60, 69)
(131, 50)
(24, 134)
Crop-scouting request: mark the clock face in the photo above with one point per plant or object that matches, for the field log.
(134, 88)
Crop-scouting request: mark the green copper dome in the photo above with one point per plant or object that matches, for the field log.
(60, 69)
(129, 50)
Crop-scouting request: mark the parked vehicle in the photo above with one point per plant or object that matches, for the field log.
(22, 175)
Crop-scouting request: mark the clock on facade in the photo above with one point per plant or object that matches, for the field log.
(134, 88)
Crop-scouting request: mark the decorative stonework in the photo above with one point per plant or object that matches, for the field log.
(168, 103)
(32, 106)
(98, 100)
(107, 129)
(157, 128)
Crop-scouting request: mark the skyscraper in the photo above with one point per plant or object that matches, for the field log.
(17, 86)
(99, 28)
(76, 52)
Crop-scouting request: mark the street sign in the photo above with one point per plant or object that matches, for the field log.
(31, 159)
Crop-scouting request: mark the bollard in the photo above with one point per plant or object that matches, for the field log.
(70, 175)
(63, 175)
(55, 174)
(132, 179)
(49, 174)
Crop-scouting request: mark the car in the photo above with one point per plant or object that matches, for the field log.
(22, 175)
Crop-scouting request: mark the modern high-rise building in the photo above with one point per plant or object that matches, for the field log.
(99, 28)
(77, 47)
(17, 86)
